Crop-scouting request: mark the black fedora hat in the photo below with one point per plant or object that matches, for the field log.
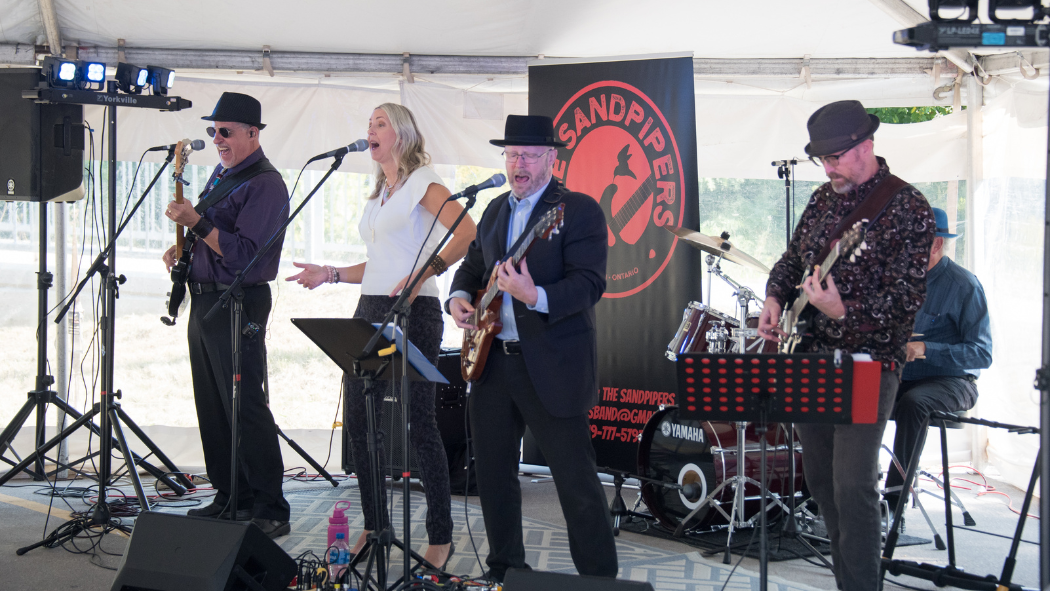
(528, 130)
(838, 126)
(241, 108)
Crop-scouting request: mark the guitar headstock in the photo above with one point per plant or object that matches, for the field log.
(853, 240)
(182, 156)
(550, 222)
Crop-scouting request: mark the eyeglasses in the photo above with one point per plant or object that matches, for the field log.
(223, 131)
(528, 158)
(830, 160)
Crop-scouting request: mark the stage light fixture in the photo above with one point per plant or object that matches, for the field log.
(1033, 10)
(131, 79)
(60, 73)
(161, 79)
(970, 7)
(94, 72)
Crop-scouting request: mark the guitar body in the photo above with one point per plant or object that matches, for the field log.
(476, 343)
(489, 301)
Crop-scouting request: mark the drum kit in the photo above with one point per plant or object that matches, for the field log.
(693, 471)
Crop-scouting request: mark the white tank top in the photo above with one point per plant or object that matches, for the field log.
(393, 234)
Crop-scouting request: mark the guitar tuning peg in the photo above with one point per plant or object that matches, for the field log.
(852, 258)
(864, 245)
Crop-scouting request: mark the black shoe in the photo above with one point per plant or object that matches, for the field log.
(210, 510)
(494, 576)
(273, 528)
(242, 515)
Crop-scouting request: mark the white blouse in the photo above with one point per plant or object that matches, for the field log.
(393, 234)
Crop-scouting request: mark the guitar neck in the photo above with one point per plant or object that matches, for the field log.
(493, 289)
(180, 230)
(825, 269)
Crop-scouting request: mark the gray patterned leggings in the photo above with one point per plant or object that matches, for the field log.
(424, 330)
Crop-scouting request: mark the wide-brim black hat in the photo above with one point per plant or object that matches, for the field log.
(838, 126)
(528, 130)
(241, 108)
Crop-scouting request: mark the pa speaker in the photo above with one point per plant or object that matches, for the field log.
(176, 552)
(531, 580)
(41, 145)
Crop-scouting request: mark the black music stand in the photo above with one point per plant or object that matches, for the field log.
(342, 339)
(796, 388)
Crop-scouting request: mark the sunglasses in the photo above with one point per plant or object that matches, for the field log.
(223, 131)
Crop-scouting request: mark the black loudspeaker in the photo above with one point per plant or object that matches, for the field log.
(41, 146)
(532, 580)
(449, 406)
(176, 552)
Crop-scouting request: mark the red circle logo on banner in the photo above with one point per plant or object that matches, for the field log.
(622, 152)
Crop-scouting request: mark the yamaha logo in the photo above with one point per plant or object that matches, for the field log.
(694, 434)
(622, 152)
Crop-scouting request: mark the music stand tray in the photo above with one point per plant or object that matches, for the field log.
(342, 339)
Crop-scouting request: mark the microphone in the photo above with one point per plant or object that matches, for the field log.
(195, 145)
(354, 147)
(495, 180)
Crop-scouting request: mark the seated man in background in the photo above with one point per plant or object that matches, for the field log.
(951, 345)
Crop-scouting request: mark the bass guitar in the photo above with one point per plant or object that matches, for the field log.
(795, 320)
(486, 316)
(183, 241)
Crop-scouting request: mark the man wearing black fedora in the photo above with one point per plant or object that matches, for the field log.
(541, 371)
(245, 201)
(867, 305)
(953, 343)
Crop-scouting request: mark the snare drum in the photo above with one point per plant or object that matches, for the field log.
(758, 344)
(697, 320)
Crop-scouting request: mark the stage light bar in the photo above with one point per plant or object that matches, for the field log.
(131, 79)
(161, 79)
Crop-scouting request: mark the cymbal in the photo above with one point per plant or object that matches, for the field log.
(716, 246)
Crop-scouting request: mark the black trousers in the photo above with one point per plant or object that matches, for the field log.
(500, 408)
(261, 468)
(424, 331)
(916, 399)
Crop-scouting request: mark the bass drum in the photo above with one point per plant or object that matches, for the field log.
(704, 453)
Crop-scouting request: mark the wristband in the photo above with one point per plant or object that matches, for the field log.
(439, 265)
(203, 227)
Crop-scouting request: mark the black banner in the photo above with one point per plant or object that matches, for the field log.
(631, 133)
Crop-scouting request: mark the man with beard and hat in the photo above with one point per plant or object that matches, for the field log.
(867, 305)
(248, 202)
(541, 370)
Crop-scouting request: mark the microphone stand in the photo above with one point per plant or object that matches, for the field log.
(399, 315)
(110, 413)
(236, 319)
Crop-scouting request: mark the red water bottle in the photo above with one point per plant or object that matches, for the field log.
(338, 523)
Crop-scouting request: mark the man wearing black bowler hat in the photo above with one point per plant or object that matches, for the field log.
(248, 201)
(541, 370)
(868, 305)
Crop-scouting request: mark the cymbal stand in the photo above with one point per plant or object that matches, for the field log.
(744, 296)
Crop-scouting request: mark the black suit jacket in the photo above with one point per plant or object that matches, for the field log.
(560, 347)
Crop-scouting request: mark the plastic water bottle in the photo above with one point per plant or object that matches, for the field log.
(338, 557)
(338, 522)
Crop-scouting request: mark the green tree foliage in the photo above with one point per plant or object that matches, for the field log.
(909, 114)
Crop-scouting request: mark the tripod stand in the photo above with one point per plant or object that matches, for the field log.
(107, 409)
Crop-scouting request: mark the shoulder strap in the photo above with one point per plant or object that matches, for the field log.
(228, 184)
(871, 209)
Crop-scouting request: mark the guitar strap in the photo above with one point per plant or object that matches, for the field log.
(871, 209)
(229, 183)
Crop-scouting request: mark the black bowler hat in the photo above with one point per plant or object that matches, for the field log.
(528, 130)
(241, 108)
(839, 126)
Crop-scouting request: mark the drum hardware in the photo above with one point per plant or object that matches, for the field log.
(720, 247)
(618, 508)
(697, 320)
(717, 338)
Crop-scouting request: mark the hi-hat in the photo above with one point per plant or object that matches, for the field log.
(717, 246)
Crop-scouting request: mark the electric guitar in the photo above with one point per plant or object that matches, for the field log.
(795, 319)
(183, 241)
(486, 316)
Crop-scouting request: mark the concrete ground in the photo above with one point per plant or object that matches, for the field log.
(24, 521)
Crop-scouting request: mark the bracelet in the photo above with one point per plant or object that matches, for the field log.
(438, 264)
(336, 275)
(203, 227)
(331, 273)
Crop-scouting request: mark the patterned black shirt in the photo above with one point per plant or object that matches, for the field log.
(883, 289)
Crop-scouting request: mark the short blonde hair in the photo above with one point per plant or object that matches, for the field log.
(408, 146)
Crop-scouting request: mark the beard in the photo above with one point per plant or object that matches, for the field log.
(842, 185)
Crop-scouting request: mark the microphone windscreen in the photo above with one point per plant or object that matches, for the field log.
(197, 145)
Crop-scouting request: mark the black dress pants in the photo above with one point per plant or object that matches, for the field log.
(501, 405)
(261, 470)
(916, 399)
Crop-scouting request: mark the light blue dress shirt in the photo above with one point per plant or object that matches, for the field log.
(520, 210)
